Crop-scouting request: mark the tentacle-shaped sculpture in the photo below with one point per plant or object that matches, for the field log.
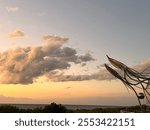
(132, 79)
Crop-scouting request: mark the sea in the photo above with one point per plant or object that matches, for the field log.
(69, 107)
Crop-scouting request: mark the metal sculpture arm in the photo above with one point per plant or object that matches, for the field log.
(131, 78)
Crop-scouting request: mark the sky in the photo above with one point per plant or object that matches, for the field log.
(54, 50)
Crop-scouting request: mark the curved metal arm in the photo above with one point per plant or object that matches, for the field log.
(131, 78)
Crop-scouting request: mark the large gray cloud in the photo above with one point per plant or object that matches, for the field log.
(23, 65)
(50, 59)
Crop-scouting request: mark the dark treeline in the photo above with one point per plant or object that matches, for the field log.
(58, 108)
(52, 108)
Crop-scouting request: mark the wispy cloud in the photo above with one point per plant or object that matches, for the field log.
(143, 66)
(40, 14)
(61, 77)
(54, 39)
(16, 33)
(6, 99)
(12, 9)
(102, 74)
(68, 88)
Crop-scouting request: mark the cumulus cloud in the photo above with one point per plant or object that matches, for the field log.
(24, 65)
(50, 59)
(16, 33)
(12, 9)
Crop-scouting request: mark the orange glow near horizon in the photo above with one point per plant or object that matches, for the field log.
(63, 89)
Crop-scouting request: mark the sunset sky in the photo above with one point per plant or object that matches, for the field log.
(54, 50)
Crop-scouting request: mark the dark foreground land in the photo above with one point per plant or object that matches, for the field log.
(58, 108)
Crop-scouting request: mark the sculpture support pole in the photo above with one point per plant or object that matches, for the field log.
(137, 97)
